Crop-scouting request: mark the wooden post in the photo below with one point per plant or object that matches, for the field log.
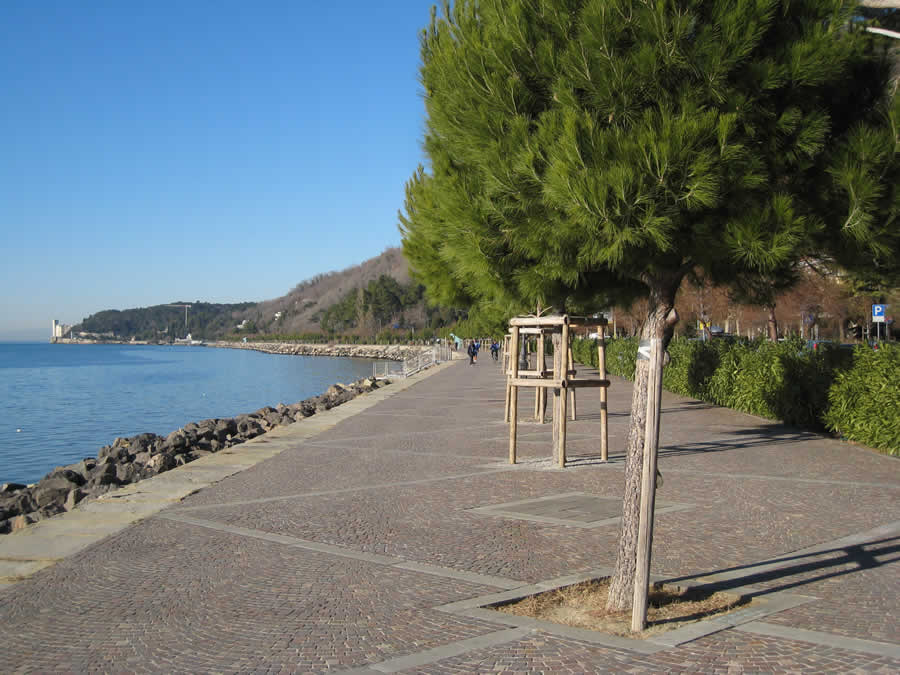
(543, 346)
(539, 365)
(505, 363)
(563, 375)
(513, 395)
(604, 397)
(570, 365)
(557, 369)
(648, 489)
(543, 405)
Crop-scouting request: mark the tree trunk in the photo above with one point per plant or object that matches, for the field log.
(660, 323)
(772, 323)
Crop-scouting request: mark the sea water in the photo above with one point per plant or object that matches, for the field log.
(61, 403)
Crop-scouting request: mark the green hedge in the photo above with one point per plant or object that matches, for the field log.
(853, 393)
(864, 402)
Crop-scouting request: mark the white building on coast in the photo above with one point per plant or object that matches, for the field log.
(58, 330)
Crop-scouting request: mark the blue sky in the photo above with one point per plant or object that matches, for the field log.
(152, 152)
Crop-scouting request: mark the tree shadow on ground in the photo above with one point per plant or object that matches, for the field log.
(775, 435)
(780, 574)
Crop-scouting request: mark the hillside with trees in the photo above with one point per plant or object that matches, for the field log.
(163, 323)
(376, 297)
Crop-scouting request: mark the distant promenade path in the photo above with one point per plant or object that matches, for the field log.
(366, 540)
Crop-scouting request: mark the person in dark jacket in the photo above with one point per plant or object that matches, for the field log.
(472, 352)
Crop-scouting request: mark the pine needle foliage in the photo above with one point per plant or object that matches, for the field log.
(582, 149)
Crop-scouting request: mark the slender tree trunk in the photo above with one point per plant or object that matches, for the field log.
(772, 323)
(660, 324)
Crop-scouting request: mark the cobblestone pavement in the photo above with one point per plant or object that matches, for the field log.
(370, 548)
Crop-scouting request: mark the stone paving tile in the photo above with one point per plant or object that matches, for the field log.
(316, 467)
(743, 521)
(728, 652)
(731, 522)
(163, 596)
(431, 523)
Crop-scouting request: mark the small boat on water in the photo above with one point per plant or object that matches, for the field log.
(188, 340)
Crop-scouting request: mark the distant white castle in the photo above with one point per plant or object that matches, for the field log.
(59, 330)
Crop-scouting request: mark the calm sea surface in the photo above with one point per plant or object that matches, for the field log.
(61, 403)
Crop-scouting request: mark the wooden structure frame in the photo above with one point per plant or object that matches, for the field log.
(561, 378)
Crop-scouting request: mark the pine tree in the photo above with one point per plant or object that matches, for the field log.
(590, 149)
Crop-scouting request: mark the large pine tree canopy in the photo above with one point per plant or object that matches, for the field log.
(581, 149)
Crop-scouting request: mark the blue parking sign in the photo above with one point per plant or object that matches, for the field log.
(878, 313)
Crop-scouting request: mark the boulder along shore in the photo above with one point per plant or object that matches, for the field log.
(129, 460)
(388, 352)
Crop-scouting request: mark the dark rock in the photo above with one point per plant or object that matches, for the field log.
(207, 429)
(177, 440)
(85, 467)
(224, 429)
(52, 491)
(191, 432)
(249, 428)
(9, 488)
(202, 444)
(127, 473)
(116, 453)
(161, 462)
(51, 510)
(73, 498)
(16, 504)
(275, 418)
(143, 443)
(142, 458)
(104, 474)
(67, 473)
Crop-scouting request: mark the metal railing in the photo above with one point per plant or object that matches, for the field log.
(412, 364)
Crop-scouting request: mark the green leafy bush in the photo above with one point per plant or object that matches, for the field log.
(851, 392)
(621, 356)
(864, 401)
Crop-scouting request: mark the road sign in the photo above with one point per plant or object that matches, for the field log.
(878, 312)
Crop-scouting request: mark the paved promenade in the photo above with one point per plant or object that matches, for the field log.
(368, 541)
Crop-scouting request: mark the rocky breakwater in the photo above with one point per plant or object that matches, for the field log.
(389, 352)
(129, 460)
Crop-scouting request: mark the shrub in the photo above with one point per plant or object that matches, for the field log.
(864, 404)
(850, 392)
(691, 366)
(621, 356)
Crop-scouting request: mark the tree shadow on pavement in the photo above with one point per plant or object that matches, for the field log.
(748, 438)
(781, 574)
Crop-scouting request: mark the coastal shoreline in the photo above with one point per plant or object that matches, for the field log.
(386, 352)
(130, 460)
(51, 540)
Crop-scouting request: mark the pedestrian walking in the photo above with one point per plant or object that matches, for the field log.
(472, 352)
